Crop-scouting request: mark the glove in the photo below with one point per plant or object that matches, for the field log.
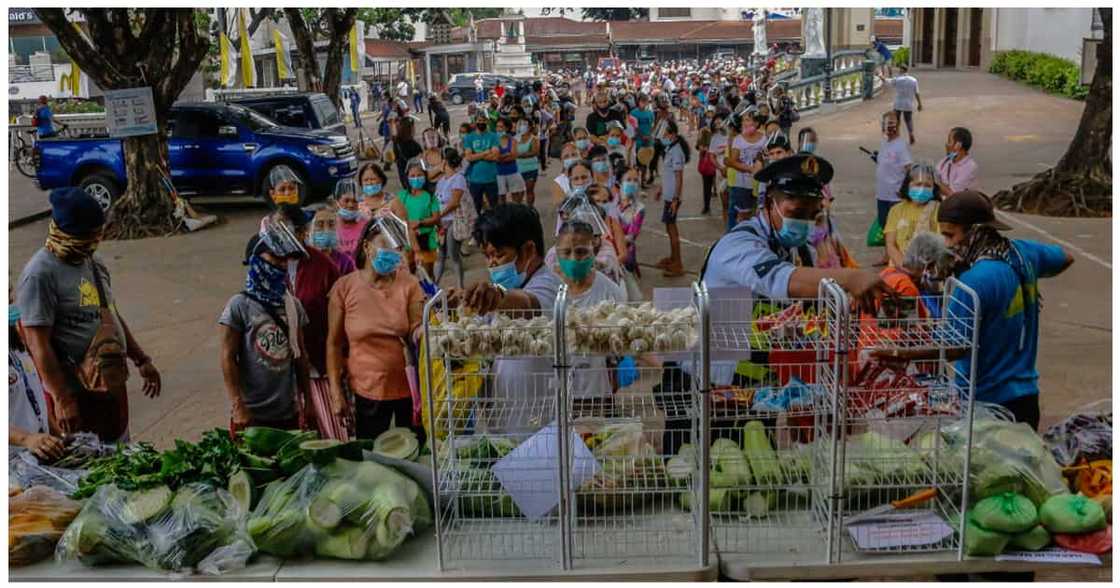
(627, 372)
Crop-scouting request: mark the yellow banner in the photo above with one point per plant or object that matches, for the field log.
(248, 70)
(225, 74)
(355, 65)
(281, 56)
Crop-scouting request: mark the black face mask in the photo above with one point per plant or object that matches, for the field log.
(482, 126)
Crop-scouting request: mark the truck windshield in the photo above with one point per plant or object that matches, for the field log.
(251, 118)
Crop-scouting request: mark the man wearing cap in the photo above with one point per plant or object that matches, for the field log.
(769, 253)
(1004, 274)
(61, 294)
(264, 360)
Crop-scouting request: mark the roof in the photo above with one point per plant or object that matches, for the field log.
(490, 28)
(386, 49)
(740, 31)
(567, 40)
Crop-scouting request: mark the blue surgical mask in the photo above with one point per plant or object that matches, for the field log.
(582, 144)
(13, 314)
(386, 261)
(666, 141)
(348, 215)
(324, 239)
(808, 147)
(600, 167)
(613, 141)
(630, 189)
(921, 194)
(371, 189)
(417, 183)
(507, 276)
(794, 232)
(570, 162)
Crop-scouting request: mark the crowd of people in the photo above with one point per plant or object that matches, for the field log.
(326, 326)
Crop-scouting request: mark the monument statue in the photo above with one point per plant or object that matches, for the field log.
(759, 29)
(812, 32)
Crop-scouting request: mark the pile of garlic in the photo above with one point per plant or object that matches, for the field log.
(621, 329)
(494, 335)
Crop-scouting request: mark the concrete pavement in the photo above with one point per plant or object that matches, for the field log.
(171, 290)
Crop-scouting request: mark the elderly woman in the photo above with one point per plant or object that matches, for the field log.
(370, 313)
(917, 274)
(916, 213)
(324, 237)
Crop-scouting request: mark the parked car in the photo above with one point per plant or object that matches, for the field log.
(461, 87)
(214, 148)
(310, 110)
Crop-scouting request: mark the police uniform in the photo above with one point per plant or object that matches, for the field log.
(750, 255)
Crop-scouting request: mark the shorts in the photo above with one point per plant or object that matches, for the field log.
(508, 184)
(529, 176)
(667, 215)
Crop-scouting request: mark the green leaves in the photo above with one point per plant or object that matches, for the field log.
(1053, 74)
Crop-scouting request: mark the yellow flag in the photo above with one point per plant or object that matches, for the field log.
(281, 55)
(355, 66)
(248, 70)
(75, 78)
(225, 48)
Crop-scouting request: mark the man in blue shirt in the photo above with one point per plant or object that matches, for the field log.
(480, 148)
(44, 119)
(1004, 274)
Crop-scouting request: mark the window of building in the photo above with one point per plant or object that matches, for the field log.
(674, 12)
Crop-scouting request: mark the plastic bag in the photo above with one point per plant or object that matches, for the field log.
(1006, 513)
(875, 237)
(81, 450)
(158, 528)
(343, 510)
(36, 520)
(26, 471)
(1007, 457)
(979, 541)
(1031, 540)
(1071, 513)
(1086, 434)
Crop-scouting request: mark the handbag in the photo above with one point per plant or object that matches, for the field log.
(707, 165)
(875, 236)
(462, 222)
(104, 369)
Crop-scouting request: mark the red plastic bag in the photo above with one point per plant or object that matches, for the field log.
(1097, 542)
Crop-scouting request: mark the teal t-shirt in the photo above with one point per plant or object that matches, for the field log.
(481, 172)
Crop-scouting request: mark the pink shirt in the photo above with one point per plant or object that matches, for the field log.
(959, 175)
(348, 235)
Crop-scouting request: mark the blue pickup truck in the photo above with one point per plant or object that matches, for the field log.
(215, 149)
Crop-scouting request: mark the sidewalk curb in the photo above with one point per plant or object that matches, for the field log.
(26, 220)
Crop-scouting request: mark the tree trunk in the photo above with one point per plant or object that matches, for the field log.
(1081, 183)
(339, 23)
(164, 56)
(307, 65)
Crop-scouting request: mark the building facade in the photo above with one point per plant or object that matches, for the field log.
(969, 37)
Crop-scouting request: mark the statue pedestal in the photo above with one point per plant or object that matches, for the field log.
(813, 66)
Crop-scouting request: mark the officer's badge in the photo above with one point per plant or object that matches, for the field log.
(810, 167)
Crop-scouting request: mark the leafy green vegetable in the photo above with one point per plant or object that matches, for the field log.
(265, 441)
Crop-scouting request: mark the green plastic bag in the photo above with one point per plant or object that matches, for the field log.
(979, 541)
(875, 236)
(1031, 540)
(1007, 513)
(1072, 513)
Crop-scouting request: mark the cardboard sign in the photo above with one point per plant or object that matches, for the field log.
(130, 112)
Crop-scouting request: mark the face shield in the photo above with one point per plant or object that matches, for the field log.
(576, 209)
(389, 225)
(431, 139)
(922, 173)
(280, 239)
(347, 187)
(284, 185)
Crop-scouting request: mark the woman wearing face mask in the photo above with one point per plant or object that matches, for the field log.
(743, 157)
(582, 141)
(615, 139)
(562, 185)
(456, 214)
(422, 211)
(324, 237)
(917, 212)
(601, 167)
(371, 313)
(580, 179)
(631, 215)
(528, 164)
(433, 156)
(606, 254)
(511, 188)
(351, 200)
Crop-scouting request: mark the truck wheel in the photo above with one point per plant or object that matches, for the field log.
(103, 188)
(303, 189)
(456, 99)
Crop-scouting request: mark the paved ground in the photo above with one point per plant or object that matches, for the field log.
(171, 290)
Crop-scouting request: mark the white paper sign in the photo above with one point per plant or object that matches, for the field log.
(1053, 555)
(529, 473)
(130, 112)
(905, 531)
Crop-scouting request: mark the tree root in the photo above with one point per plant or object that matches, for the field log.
(1055, 193)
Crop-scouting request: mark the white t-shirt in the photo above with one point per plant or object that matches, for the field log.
(589, 377)
(891, 170)
(478, 83)
(747, 153)
(905, 92)
(670, 86)
(402, 89)
(444, 188)
(565, 185)
(27, 409)
(522, 387)
(718, 147)
(674, 161)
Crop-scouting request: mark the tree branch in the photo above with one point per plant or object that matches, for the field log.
(82, 51)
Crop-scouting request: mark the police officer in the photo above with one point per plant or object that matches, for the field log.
(759, 253)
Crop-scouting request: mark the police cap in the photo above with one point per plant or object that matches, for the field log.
(797, 175)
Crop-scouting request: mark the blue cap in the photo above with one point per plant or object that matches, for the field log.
(75, 212)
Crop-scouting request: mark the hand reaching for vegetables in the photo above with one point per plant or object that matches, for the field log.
(44, 446)
(240, 417)
(66, 412)
(483, 297)
(152, 381)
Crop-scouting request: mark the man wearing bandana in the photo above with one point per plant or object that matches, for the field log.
(264, 360)
(1004, 273)
(60, 298)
